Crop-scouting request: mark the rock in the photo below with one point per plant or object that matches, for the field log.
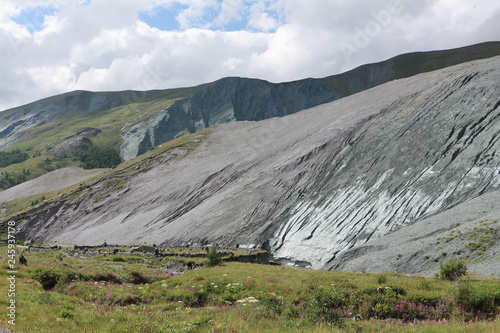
(176, 267)
(23, 260)
(358, 317)
(142, 249)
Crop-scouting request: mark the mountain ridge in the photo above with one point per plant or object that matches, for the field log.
(131, 122)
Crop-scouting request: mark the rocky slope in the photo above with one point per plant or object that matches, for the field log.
(469, 230)
(53, 181)
(237, 99)
(313, 187)
(226, 100)
(132, 122)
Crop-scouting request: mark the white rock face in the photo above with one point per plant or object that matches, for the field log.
(416, 160)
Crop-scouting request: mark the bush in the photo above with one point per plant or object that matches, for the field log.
(453, 269)
(138, 278)
(113, 278)
(484, 300)
(381, 279)
(48, 277)
(424, 285)
(213, 258)
(196, 299)
(66, 314)
(66, 278)
(328, 305)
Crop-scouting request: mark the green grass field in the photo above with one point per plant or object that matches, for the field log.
(107, 293)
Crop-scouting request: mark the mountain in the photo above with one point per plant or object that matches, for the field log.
(90, 129)
(407, 172)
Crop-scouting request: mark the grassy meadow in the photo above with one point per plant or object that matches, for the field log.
(61, 292)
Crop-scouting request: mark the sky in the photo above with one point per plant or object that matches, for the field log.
(48, 47)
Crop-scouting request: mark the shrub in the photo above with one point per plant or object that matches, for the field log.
(66, 314)
(273, 305)
(118, 259)
(59, 255)
(113, 278)
(453, 269)
(47, 277)
(482, 300)
(328, 305)
(213, 258)
(196, 299)
(381, 279)
(424, 285)
(66, 278)
(137, 278)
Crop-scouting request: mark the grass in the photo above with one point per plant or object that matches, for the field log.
(133, 294)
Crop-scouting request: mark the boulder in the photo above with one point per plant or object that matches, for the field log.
(142, 248)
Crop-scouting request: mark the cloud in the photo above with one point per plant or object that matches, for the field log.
(231, 10)
(195, 14)
(260, 18)
(109, 45)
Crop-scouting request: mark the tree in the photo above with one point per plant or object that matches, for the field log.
(213, 257)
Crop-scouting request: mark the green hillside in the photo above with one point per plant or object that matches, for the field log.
(44, 144)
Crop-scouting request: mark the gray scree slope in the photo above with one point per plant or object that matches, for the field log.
(314, 185)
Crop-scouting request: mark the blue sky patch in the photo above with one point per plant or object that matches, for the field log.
(83, 3)
(34, 18)
(163, 18)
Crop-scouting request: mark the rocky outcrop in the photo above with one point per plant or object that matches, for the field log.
(177, 267)
(53, 181)
(470, 230)
(227, 100)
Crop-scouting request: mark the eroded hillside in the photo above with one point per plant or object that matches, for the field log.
(310, 187)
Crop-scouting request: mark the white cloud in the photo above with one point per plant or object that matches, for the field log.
(193, 15)
(230, 10)
(260, 18)
(102, 45)
(51, 79)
